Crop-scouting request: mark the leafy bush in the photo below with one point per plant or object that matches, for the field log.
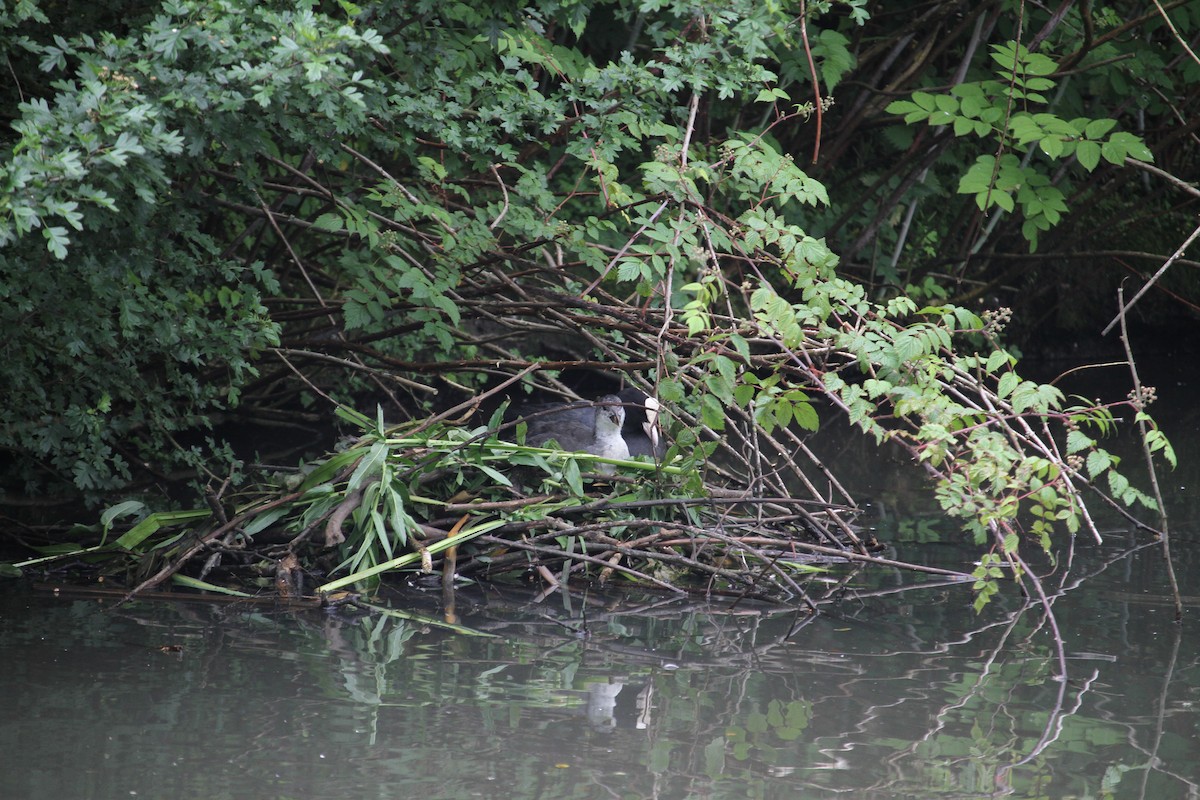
(226, 212)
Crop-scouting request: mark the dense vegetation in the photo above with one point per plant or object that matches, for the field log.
(227, 216)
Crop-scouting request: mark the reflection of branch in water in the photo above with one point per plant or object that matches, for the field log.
(1057, 717)
(1039, 596)
(1152, 761)
(859, 594)
(1053, 727)
(976, 690)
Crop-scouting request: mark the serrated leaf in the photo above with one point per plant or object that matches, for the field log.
(1008, 382)
(1097, 462)
(1078, 441)
(712, 413)
(996, 360)
(329, 222)
(56, 240)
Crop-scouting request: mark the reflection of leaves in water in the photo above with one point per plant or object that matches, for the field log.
(714, 757)
(762, 733)
(920, 530)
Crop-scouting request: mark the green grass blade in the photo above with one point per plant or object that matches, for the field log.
(409, 558)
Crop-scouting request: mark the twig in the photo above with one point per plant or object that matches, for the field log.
(1125, 308)
(1161, 712)
(624, 248)
(816, 82)
(1139, 399)
(558, 553)
(1175, 31)
(504, 191)
(1178, 183)
(356, 366)
(182, 559)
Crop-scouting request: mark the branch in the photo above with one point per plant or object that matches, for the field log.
(1124, 309)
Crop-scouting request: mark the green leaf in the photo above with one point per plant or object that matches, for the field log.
(1078, 441)
(329, 222)
(1052, 146)
(153, 523)
(1131, 146)
(806, 416)
(264, 520)
(996, 360)
(771, 95)
(925, 101)
(573, 476)
(1088, 154)
(56, 240)
(900, 107)
(500, 478)
(369, 466)
(120, 510)
(1008, 382)
(1098, 461)
(410, 558)
(712, 413)
(205, 586)
(1096, 128)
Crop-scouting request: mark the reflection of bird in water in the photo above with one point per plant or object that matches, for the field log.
(579, 424)
(594, 429)
(615, 704)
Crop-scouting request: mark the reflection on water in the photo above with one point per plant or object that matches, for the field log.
(892, 694)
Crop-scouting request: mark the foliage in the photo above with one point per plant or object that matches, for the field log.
(986, 109)
(222, 212)
(1023, 114)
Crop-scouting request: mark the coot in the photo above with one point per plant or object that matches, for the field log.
(594, 429)
(640, 429)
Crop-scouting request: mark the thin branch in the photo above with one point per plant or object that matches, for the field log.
(818, 105)
(1140, 396)
(504, 191)
(1125, 308)
(1175, 31)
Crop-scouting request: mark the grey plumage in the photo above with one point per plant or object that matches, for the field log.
(579, 426)
(576, 423)
(594, 429)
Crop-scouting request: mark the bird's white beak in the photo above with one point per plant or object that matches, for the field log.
(651, 423)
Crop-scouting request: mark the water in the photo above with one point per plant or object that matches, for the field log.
(897, 690)
(894, 693)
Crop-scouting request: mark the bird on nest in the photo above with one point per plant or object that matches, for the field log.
(614, 426)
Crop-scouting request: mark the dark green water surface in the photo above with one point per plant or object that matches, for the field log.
(898, 690)
(892, 694)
